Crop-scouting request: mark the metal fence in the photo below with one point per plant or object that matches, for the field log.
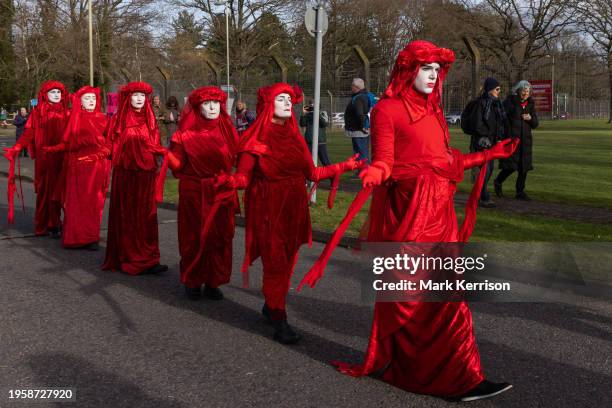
(579, 88)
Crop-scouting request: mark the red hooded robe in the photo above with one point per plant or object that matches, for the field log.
(203, 150)
(427, 348)
(276, 162)
(86, 170)
(44, 128)
(133, 243)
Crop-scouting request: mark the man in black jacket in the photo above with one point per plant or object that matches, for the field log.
(307, 121)
(356, 121)
(489, 128)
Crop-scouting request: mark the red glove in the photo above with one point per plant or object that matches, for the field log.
(11, 152)
(374, 175)
(352, 163)
(236, 181)
(54, 149)
(503, 149)
(173, 162)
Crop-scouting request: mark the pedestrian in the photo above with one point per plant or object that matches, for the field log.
(20, 121)
(201, 151)
(522, 118)
(171, 117)
(3, 117)
(86, 170)
(307, 121)
(273, 165)
(356, 120)
(133, 241)
(422, 347)
(160, 113)
(45, 127)
(489, 128)
(244, 117)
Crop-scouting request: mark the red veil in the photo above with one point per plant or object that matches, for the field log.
(73, 123)
(125, 113)
(253, 140)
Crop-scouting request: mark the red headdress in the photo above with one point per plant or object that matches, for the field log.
(125, 113)
(407, 67)
(253, 139)
(75, 117)
(43, 101)
(191, 116)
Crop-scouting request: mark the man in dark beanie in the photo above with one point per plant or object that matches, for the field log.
(489, 128)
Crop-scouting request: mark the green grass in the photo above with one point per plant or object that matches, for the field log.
(573, 164)
(491, 225)
(572, 161)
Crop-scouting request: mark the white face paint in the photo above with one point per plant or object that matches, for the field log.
(211, 109)
(425, 80)
(88, 101)
(54, 95)
(138, 100)
(282, 106)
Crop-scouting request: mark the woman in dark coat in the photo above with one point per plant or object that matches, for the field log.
(522, 117)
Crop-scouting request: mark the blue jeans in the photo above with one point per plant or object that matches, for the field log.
(484, 194)
(361, 145)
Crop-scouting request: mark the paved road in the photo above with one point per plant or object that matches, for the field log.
(125, 341)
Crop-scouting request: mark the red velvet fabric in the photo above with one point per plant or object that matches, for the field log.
(45, 127)
(86, 171)
(203, 150)
(133, 243)
(426, 348)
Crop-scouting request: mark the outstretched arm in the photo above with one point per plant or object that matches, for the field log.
(501, 150)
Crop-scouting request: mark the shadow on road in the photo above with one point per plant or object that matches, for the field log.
(93, 387)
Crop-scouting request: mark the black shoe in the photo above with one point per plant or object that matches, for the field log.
(155, 269)
(487, 204)
(486, 389)
(213, 293)
(284, 333)
(55, 233)
(92, 247)
(266, 313)
(498, 189)
(522, 196)
(193, 293)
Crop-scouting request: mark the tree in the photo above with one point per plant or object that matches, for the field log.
(595, 19)
(518, 33)
(7, 55)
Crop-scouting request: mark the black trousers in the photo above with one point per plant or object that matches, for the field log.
(520, 179)
(322, 154)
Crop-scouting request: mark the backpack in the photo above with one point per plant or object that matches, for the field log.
(468, 117)
(371, 102)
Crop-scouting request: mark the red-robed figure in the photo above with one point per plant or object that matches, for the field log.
(201, 152)
(86, 170)
(427, 348)
(274, 164)
(44, 127)
(133, 243)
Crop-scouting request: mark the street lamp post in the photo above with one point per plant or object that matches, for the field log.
(90, 34)
(225, 3)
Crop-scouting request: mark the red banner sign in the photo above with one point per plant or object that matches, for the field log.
(542, 94)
